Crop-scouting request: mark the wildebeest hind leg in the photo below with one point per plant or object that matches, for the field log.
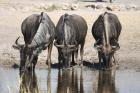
(82, 52)
(72, 63)
(76, 55)
(49, 55)
(99, 57)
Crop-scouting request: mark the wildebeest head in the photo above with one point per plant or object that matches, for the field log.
(28, 53)
(65, 53)
(106, 51)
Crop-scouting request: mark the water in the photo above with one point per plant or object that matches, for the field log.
(75, 80)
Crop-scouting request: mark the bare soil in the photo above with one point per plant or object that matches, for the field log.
(13, 12)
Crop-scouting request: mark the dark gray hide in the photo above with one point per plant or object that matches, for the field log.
(38, 32)
(71, 31)
(106, 31)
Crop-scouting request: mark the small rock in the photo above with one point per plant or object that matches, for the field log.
(74, 7)
(99, 7)
(65, 6)
(109, 8)
(131, 7)
(113, 8)
(91, 6)
(15, 66)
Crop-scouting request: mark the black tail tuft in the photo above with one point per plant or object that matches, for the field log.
(41, 16)
(42, 13)
(105, 13)
(66, 17)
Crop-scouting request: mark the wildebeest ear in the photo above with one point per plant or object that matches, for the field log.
(114, 48)
(40, 17)
(98, 47)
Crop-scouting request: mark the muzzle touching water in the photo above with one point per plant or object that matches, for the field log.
(106, 52)
(27, 53)
(66, 52)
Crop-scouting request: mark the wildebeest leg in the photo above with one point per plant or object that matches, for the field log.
(35, 61)
(59, 58)
(115, 61)
(100, 57)
(72, 58)
(76, 55)
(111, 61)
(82, 52)
(22, 66)
(49, 55)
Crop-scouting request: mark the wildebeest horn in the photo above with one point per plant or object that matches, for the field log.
(16, 42)
(17, 45)
(62, 46)
(71, 46)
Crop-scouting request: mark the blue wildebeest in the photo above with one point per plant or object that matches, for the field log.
(38, 31)
(71, 31)
(106, 31)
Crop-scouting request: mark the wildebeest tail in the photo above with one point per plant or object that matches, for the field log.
(41, 17)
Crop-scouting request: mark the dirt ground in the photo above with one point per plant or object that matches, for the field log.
(13, 12)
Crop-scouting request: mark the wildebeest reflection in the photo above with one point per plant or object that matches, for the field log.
(68, 81)
(106, 81)
(49, 81)
(28, 83)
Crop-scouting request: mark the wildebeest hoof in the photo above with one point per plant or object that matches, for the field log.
(73, 64)
(46, 62)
(29, 68)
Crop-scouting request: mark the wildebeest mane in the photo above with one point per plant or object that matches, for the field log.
(33, 22)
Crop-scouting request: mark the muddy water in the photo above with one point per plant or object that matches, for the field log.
(75, 80)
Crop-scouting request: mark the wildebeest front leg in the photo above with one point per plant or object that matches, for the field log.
(35, 61)
(100, 58)
(82, 52)
(72, 63)
(49, 55)
(115, 61)
(76, 55)
(59, 58)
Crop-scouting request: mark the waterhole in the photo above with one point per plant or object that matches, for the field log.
(74, 80)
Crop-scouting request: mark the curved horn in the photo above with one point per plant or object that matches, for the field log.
(71, 46)
(17, 45)
(60, 46)
(16, 42)
(63, 46)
